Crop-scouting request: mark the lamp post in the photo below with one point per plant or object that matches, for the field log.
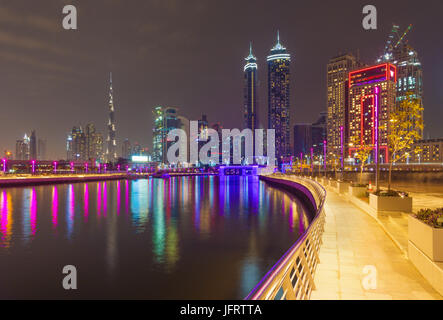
(312, 161)
(324, 156)
(376, 133)
(342, 158)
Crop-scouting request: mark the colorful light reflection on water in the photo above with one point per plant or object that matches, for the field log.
(187, 237)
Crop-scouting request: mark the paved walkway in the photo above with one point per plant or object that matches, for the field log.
(353, 240)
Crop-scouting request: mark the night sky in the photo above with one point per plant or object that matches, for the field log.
(189, 54)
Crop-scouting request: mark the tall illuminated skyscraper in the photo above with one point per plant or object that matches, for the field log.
(338, 69)
(250, 91)
(372, 93)
(111, 147)
(409, 69)
(278, 99)
(165, 120)
(33, 146)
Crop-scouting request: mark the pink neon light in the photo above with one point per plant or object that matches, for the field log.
(55, 166)
(86, 201)
(341, 147)
(33, 212)
(388, 67)
(324, 154)
(376, 124)
(54, 207)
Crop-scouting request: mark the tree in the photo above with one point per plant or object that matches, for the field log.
(362, 153)
(405, 127)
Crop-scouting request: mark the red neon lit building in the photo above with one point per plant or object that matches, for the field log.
(372, 91)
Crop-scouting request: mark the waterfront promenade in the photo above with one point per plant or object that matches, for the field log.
(352, 240)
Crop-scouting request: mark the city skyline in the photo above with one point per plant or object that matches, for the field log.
(72, 87)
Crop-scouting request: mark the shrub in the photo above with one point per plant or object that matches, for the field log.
(359, 185)
(432, 217)
(390, 193)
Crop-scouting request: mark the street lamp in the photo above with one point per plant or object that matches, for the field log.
(33, 166)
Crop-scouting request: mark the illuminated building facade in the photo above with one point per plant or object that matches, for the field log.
(279, 99)
(22, 148)
(111, 143)
(409, 76)
(409, 68)
(33, 146)
(430, 151)
(250, 92)
(337, 95)
(76, 145)
(165, 120)
(94, 143)
(372, 93)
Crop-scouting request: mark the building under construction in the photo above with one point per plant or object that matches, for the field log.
(409, 69)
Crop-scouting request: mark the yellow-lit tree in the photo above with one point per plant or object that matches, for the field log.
(405, 127)
(362, 153)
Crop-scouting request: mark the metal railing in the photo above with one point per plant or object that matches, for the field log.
(292, 277)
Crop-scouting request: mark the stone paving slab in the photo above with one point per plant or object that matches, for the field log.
(353, 240)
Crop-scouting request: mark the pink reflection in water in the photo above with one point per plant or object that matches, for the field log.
(105, 198)
(118, 197)
(5, 220)
(86, 201)
(126, 197)
(33, 212)
(54, 207)
(99, 198)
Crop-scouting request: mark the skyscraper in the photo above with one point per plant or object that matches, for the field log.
(250, 91)
(94, 143)
(338, 69)
(372, 93)
(33, 146)
(165, 120)
(409, 76)
(76, 145)
(22, 150)
(111, 147)
(409, 69)
(278, 98)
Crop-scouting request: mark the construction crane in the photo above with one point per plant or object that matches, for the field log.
(392, 38)
(403, 36)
